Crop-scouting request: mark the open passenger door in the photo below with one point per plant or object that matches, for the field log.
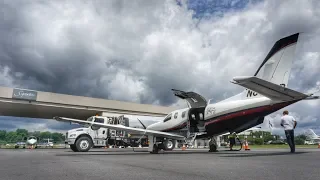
(194, 100)
(197, 105)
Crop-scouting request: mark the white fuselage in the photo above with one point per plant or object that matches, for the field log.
(32, 141)
(225, 107)
(214, 112)
(175, 120)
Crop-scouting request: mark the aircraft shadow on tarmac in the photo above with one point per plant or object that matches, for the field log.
(223, 153)
(96, 153)
(261, 154)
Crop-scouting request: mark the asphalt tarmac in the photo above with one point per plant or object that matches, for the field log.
(124, 164)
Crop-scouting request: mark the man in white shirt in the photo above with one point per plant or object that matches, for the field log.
(289, 124)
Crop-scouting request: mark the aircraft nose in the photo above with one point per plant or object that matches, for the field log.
(150, 127)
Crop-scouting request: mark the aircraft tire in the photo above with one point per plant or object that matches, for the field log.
(83, 144)
(155, 149)
(169, 145)
(213, 148)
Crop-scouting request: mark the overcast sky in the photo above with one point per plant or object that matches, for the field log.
(138, 50)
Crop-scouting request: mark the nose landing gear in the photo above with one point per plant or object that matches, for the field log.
(155, 147)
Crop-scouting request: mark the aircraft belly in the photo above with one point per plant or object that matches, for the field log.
(232, 121)
(176, 127)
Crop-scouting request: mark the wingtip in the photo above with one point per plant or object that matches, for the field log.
(234, 82)
(241, 78)
(57, 118)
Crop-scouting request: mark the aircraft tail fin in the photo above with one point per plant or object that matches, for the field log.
(276, 66)
(310, 134)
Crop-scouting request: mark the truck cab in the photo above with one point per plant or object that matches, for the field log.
(89, 136)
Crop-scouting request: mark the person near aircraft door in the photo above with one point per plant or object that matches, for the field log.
(232, 139)
(289, 124)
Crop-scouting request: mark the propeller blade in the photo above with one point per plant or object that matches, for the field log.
(142, 124)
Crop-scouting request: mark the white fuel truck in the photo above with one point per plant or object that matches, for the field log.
(89, 136)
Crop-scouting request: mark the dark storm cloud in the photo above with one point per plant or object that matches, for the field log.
(63, 63)
(139, 50)
(6, 125)
(31, 124)
(99, 50)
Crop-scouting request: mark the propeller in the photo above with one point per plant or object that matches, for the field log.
(144, 127)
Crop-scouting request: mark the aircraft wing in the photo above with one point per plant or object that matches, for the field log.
(268, 89)
(123, 128)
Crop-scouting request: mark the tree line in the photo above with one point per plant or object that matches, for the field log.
(20, 134)
(263, 137)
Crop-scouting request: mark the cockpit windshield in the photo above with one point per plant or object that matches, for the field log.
(32, 137)
(167, 118)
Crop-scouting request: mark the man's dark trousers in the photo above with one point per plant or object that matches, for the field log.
(290, 139)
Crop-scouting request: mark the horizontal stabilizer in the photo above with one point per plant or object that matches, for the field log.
(312, 97)
(268, 89)
(123, 128)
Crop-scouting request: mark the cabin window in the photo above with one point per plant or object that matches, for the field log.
(99, 120)
(176, 115)
(167, 118)
(183, 114)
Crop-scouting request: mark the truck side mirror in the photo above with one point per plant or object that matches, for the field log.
(25, 138)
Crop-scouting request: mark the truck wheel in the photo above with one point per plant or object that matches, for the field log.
(169, 145)
(83, 144)
(73, 148)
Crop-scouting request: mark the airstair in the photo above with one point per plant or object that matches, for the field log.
(191, 136)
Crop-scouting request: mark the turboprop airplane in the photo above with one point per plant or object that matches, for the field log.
(265, 92)
(29, 141)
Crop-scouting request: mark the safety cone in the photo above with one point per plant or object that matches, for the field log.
(246, 146)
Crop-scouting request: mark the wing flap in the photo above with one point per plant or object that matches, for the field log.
(268, 89)
(123, 128)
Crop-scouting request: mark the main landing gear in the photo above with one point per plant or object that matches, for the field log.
(165, 144)
(213, 145)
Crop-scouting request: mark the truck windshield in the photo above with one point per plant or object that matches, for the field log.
(88, 125)
(90, 118)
